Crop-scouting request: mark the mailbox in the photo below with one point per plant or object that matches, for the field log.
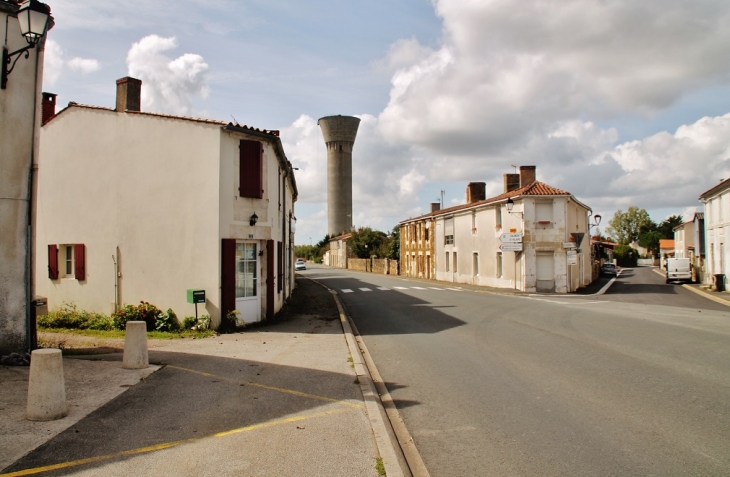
(196, 296)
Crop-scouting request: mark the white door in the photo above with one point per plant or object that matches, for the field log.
(248, 288)
(546, 272)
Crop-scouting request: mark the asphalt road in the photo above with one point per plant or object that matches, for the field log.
(506, 385)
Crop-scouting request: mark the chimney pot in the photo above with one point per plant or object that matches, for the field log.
(48, 109)
(527, 175)
(475, 192)
(129, 93)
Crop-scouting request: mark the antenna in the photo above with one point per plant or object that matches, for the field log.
(514, 167)
(234, 119)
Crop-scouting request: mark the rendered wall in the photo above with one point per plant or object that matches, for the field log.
(19, 108)
(147, 185)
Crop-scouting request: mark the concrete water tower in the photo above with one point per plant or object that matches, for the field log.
(339, 135)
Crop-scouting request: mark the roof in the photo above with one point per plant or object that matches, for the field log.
(681, 226)
(535, 188)
(666, 243)
(718, 188)
(699, 216)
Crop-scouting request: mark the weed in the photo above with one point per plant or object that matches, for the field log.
(379, 466)
(357, 381)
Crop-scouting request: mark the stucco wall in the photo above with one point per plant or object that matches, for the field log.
(19, 109)
(717, 230)
(147, 185)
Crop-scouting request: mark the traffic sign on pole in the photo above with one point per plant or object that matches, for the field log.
(511, 247)
(510, 238)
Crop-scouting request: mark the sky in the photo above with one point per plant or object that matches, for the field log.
(621, 103)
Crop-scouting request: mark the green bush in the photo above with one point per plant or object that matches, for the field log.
(145, 311)
(197, 324)
(69, 317)
(167, 321)
(189, 322)
(625, 255)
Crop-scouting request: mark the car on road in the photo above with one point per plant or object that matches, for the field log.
(609, 270)
(300, 265)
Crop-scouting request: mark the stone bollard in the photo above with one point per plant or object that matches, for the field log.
(46, 386)
(135, 346)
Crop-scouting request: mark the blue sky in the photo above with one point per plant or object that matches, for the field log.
(619, 102)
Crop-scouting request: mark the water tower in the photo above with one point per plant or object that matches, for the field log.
(339, 135)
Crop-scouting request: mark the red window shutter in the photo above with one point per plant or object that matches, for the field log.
(80, 261)
(279, 266)
(228, 276)
(53, 262)
(251, 169)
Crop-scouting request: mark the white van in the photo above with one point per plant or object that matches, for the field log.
(679, 270)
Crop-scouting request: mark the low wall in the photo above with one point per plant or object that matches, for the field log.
(359, 264)
(647, 262)
(393, 268)
(379, 265)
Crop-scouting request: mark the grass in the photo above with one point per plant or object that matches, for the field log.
(379, 466)
(153, 335)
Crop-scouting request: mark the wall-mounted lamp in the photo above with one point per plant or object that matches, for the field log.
(33, 18)
(509, 205)
(254, 218)
(596, 221)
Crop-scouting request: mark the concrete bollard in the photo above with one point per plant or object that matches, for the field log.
(135, 346)
(46, 386)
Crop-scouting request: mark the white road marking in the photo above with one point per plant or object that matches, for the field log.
(400, 288)
(365, 289)
(417, 288)
(456, 289)
(434, 288)
(384, 288)
(346, 290)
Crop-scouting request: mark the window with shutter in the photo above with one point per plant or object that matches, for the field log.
(251, 170)
(80, 261)
(228, 276)
(53, 262)
(279, 266)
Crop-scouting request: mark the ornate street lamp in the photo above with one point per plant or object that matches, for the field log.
(33, 18)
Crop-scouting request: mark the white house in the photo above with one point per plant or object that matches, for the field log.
(538, 245)
(20, 107)
(717, 230)
(142, 206)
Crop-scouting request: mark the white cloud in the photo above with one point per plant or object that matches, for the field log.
(170, 85)
(54, 64)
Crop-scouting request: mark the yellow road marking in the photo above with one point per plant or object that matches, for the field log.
(270, 388)
(168, 445)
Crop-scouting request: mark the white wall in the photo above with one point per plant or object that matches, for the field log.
(19, 118)
(717, 230)
(148, 185)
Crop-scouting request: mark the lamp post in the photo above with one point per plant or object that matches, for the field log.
(33, 19)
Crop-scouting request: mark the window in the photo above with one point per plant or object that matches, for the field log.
(251, 169)
(498, 216)
(455, 264)
(449, 240)
(475, 264)
(246, 273)
(499, 264)
(544, 212)
(447, 261)
(449, 231)
(473, 221)
(72, 261)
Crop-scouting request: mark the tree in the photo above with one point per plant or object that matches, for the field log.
(625, 255)
(394, 245)
(666, 228)
(650, 241)
(367, 242)
(625, 227)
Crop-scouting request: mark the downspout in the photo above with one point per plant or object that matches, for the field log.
(284, 235)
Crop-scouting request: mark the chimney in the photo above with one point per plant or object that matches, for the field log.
(511, 182)
(527, 175)
(435, 206)
(129, 91)
(475, 192)
(48, 108)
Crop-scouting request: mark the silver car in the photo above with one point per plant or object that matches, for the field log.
(299, 265)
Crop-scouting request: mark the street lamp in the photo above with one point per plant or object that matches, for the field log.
(596, 221)
(33, 18)
(509, 205)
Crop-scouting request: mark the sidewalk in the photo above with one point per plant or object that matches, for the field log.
(719, 297)
(282, 399)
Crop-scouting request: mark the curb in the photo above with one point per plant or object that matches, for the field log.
(699, 292)
(396, 461)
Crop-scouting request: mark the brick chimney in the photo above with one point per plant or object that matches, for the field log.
(475, 192)
(511, 182)
(527, 175)
(129, 92)
(48, 107)
(435, 206)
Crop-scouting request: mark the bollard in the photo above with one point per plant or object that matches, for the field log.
(135, 346)
(46, 386)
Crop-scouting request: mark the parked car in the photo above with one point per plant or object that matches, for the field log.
(300, 265)
(609, 270)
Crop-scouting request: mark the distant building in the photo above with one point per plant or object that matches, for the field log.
(717, 229)
(540, 245)
(142, 206)
(337, 254)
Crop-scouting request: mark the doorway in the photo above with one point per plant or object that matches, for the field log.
(248, 286)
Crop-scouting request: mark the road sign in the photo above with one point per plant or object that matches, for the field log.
(573, 259)
(510, 238)
(511, 247)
